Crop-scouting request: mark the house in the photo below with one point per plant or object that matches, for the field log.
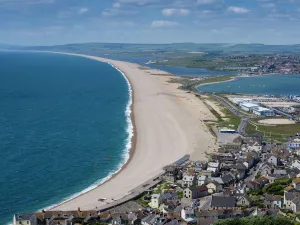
(262, 181)
(296, 183)
(172, 173)
(187, 180)
(155, 201)
(266, 169)
(168, 195)
(296, 164)
(296, 205)
(223, 202)
(228, 179)
(254, 146)
(243, 200)
(154, 219)
(202, 180)
(214, 187)
(25, 219)
(274, 160)
(288, 198)
(67, 217)
(195, 192)
(188, 213)
(273, 201)
(207, 173)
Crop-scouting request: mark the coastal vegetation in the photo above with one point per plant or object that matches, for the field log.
(275, 188)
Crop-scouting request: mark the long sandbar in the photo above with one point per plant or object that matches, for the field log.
(168, 125)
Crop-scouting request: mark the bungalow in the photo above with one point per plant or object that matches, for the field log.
(214, 187)
(195, 192)
(273, 201)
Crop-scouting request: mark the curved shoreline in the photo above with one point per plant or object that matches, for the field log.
(168, 123)
(131, 140)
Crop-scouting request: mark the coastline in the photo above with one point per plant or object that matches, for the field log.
(150, 150)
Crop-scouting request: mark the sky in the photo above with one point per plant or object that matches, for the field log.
(53, 22)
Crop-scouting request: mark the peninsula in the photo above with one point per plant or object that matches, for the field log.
(168, 125)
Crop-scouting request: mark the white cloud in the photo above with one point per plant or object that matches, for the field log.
(236, 9)
(163, 23)
(82, 11)
(172, 12)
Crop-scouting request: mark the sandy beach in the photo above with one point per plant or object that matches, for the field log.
(168, 124)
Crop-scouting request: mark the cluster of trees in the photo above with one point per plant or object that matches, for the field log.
(268, 220)
(276, 188)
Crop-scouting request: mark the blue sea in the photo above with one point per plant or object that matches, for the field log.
(279, 85)
(64, 127)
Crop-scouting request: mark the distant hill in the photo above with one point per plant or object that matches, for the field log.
(167, 50)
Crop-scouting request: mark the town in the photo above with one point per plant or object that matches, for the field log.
(245, 178)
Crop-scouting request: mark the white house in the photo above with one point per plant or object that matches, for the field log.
(188, 213)
(187, 180)
(202, 180)
(273, 160)
(296, 164)
(155, 201)
(214, 187)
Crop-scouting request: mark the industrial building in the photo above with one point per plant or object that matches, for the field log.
(261, 111)
(248, 107)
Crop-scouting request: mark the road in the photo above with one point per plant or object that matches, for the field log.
(244, 119)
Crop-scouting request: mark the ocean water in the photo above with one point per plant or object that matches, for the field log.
(176, 70)
(281, 85)
(64, 127)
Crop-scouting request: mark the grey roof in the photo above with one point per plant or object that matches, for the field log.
(291, 195)
(227, 178)
(281, 172)
(169, 195)
(24, 216)
(223, 201)
(218, 179)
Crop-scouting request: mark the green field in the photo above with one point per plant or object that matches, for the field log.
(277, 132)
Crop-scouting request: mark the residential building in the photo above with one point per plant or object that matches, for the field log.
(188, 180)
(223, 202)
(296, 183)
(213, 187)
(273, 201)
(155, 201)
(25, 219)
(195, 192)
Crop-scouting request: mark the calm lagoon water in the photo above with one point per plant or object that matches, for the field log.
(262, 85)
